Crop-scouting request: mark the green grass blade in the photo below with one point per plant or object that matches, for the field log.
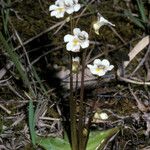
(142, 10)
(32, 122)
(15, 58)
(135, 20)
(38, 79)
(5, 16)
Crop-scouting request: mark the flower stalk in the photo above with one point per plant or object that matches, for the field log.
(81, 106)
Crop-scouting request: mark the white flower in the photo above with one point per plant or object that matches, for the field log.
(103, 116)
(76, 59)
(100, 22)
(79, 39)
(57, 10)
(100, 67)
(61, 6)
(71, 6)
(73, 43)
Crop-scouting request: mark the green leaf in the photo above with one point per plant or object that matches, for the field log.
(99, 140)
(52, 143)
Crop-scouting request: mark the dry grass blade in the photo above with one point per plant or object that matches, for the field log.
(137, 49)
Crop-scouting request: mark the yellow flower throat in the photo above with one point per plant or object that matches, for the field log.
(100, 68)
(75, 42)
(60, 9)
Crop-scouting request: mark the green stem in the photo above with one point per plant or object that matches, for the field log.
(81, 111)
(73, 124)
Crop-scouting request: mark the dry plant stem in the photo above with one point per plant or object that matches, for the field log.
(140, 105)
(5, 109)
(40, 34)
(117, 34)
(84, 11)
(142, 61)
(73, 124)
(114, 49)
(25, 52)
(81, 108)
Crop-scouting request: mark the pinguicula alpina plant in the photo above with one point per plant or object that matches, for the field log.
(78, 43)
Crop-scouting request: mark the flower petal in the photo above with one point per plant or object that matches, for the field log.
(105, 62)
(52, 7)
(59, 2)
(54, 13)
(77, 7)
(101, 73)
(110, 67)
(103, 21)
(68, 2)
(75, 48)
(97, 62)
(85, 34)
(68, 38)
(76, 31)
(70, 10)
(92, 69)
(85, 44)
(69, 46)
(75, 1)
(61, 14)
(103, 116)
(89, 66)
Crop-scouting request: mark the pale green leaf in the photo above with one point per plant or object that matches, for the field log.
(99, 139)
